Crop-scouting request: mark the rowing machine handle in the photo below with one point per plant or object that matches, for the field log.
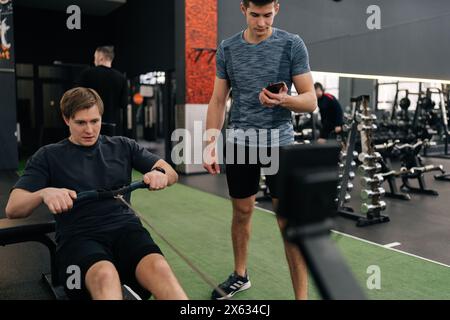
(95, 194)
(87, 195)
(138, 185)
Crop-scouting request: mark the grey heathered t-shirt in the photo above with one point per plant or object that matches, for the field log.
(251, 67)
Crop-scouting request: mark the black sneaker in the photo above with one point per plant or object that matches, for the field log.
(234, 284)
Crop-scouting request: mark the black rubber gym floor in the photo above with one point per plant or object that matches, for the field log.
(421, 225)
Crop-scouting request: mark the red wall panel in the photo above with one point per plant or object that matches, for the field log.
(201, 32)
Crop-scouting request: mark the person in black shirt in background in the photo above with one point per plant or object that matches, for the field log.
(112, 87)
(330, 113)
(103, 238)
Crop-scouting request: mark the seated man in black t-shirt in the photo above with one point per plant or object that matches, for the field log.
(102, 239)
(331, 114)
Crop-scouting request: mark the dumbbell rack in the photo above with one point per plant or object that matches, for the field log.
(346, 166)
(387, 173)
(363, 122)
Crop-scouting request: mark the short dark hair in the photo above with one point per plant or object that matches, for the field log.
(318, 85)
(107, 51)
(258, 3)
(79, 98)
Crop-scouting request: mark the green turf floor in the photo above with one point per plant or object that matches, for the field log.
(198, 223)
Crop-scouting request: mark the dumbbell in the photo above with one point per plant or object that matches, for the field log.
(344, 155)
(369, 208)
(347, 198)
(360, 117)
(348, 117)
(367, 182)
(363, 157)
(368, 170)
(342, 165)
(349, 187)
(367, 127)
(427, 143)
(370, 194)
(351, 176)
(427, 168)
(346, 128)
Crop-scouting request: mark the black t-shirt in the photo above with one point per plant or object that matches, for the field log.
(112, 87)
(106, 165)
(330, 113)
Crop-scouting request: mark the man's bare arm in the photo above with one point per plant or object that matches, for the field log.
(214, 122)
(21, 202)
(216, 109)
(306, 101)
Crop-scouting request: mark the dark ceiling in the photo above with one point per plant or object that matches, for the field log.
(90, 7)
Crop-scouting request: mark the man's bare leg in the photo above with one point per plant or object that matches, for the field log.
(240, 232)
(103, 281)
(297, 265)
(154, 274)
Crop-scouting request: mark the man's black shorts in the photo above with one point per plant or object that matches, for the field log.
(124, 247)
(243, 178)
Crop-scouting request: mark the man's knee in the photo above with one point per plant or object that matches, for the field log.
(243, 209)
(154, 264)
(101, 274)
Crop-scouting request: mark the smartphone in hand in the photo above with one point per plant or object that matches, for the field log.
(275, 87)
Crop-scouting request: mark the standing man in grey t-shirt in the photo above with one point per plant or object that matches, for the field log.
(260, 122)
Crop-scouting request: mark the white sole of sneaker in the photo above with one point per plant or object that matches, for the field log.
(230, 295)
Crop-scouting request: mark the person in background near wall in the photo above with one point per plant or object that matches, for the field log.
(112, 87)
(330, 113)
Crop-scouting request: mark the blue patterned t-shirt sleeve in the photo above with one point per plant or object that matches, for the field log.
(300, 57)
(221, 71)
